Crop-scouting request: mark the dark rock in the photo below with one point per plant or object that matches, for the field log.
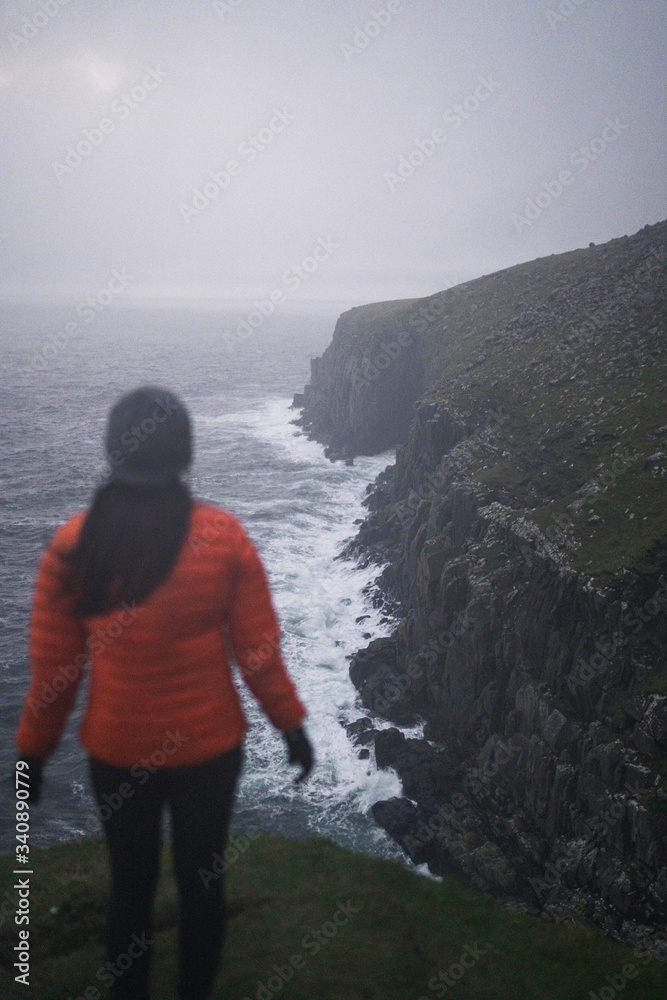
(549, 764)
(353, 728)
(425, 771)
(397, 816)
(368, 736)
(383, 688)
(389, 744)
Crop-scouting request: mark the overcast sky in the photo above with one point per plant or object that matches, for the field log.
(372, 150)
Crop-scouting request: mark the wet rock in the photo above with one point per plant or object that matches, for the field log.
(397, 816)
(528, 677)
(368, 736)
(424, 770)
(382, 686)
(358, 726)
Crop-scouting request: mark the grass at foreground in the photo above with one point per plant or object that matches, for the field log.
(311, 921)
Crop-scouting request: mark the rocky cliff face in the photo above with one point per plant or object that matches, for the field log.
(523, 534)
(359, 400)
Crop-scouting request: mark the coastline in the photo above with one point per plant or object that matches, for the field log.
(532, 634)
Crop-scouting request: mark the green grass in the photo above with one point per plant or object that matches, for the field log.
(580, 409)
(493, 556)
(406, 929)
(655, 683)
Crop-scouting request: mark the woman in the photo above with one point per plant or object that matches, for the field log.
(156, 591)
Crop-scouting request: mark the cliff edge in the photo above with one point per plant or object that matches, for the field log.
(523, 535)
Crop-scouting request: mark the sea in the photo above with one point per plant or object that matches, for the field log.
(59, 379)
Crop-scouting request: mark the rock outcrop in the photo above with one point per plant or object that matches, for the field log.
(523, 535)
(359, 401)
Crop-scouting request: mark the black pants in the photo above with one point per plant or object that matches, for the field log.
(200, 797)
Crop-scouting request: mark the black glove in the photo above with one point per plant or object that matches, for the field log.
(300, 752)
(34, 775)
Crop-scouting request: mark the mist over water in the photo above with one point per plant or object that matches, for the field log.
(296, 505)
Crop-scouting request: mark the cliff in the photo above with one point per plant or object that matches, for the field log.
(359, 401)
(523, 538)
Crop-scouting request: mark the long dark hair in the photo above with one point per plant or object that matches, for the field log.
(128, 544)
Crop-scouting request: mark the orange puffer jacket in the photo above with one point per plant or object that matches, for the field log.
(161, 687)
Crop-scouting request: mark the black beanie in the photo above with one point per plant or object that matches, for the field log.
(149, 439)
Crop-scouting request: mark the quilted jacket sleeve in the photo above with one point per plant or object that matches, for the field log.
(255, 636)
(57, 654)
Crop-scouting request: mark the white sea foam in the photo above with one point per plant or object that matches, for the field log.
(318, 599)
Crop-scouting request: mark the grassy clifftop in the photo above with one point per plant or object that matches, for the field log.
(310, 921)
(554, 372)
(572, 393)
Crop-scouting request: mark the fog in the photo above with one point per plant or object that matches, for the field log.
(342, 150)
